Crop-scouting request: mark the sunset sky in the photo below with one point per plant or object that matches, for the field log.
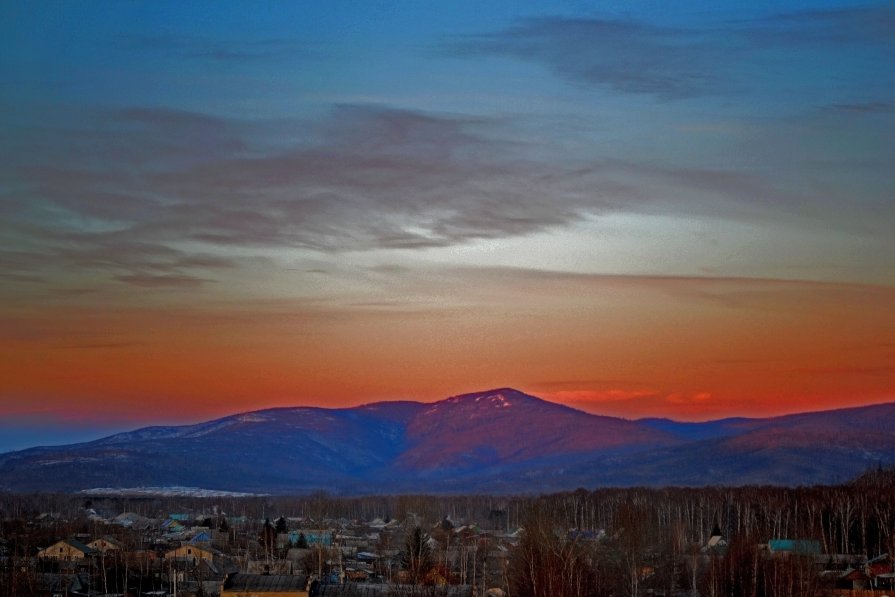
(639, 208)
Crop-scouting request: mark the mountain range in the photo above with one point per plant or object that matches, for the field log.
(498, 441)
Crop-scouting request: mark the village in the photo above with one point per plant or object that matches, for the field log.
(194, 554)
(101, 550)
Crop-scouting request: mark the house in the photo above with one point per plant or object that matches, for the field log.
(269, 566)
(834, 564)
(201, 537)
(105, 545)
(355, 575)
(190, 552)
(127, 519)
(715, 546)
(48, 518)
(853, 579)
(66, 550)
(264, 585)
(881, 571)
(172, 526)
(586, 534)
(316, 537)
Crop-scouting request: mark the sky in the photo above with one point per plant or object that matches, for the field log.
(635, 208)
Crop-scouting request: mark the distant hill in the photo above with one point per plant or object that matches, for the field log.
(499, 441)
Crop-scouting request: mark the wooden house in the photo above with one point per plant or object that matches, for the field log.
(66, 550)
(191, 553)
(105, 545)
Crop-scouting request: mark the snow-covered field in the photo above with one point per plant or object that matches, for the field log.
(175, 491)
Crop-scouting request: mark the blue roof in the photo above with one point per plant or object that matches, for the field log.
(312, 538)
(799, 546)
(202, 537)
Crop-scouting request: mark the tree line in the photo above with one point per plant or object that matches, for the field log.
(611, 541)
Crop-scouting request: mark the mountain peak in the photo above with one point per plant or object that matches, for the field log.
(499, 397)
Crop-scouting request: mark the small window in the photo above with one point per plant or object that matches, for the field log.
(189, 552)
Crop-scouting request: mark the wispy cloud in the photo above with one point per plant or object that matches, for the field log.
(164, 198)
(864, 107)
(628, 56)
(128, 194)
(376, 177)
(635, 56)
(162, 281)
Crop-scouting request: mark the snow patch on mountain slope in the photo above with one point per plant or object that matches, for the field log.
(172, 491)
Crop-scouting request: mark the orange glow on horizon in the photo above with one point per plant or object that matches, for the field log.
(630, 351)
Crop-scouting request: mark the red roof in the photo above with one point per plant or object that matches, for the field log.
(878, 568)
(855, 575)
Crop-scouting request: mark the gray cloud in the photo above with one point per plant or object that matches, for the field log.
(637, 57)
(399, 179)
(127, 195)
(378, 177)
(628, 56)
